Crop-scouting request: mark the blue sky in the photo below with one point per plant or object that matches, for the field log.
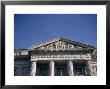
(32, 29)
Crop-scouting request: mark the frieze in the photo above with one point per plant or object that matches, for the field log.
(87, 56)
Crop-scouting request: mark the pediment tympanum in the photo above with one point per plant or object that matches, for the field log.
(61, 43)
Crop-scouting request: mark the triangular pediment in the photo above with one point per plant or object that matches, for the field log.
(61, 43)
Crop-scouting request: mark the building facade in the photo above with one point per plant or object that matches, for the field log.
(58, 57)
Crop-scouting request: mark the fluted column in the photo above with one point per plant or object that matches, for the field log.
(51, 68)
(33, 69)
(70, 68)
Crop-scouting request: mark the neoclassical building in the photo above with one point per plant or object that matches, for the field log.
(58, 57)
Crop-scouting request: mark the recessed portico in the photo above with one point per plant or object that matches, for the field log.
(59, 63)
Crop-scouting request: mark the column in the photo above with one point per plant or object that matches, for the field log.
(51, 68)
(33, 69)
(70, 68)
(89, 68)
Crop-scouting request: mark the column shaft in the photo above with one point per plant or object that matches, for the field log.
(89, 68)
(51, 68)
(33, 69)
(70, 68)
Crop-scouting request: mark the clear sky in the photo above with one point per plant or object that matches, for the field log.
(32, 29)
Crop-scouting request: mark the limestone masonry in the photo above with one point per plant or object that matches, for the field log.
(58, 57)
